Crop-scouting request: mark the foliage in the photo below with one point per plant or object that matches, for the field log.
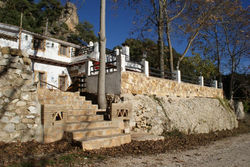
(36, 14)
(196, 66)
(84, 31)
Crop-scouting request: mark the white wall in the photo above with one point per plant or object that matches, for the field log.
(53, 73)
(49, 52)
(7, 43)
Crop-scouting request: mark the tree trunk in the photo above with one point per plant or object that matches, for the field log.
(218, 54)
(171, 58)
(101, 77)
(160, 37)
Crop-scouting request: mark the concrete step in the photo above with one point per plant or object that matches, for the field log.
(87, 125)
(106, 141)
(80, 118)
(88, 133)
(85, 111)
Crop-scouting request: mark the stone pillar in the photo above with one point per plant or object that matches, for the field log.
(178, 76)
(215, 84)
(89, 64)
(146, 67)
(201, 81)
(125, 51)
(121, 63)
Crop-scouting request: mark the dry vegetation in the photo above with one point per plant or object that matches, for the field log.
(68, 153)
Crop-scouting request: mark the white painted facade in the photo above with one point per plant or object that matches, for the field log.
(9, 37)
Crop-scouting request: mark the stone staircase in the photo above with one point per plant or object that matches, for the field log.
(69, 112)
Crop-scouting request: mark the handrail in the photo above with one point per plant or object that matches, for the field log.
(52, 85)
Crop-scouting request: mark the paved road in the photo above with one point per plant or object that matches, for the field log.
(229, 152)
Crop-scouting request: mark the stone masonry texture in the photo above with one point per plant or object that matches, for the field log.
(138, 83)
(20, 116)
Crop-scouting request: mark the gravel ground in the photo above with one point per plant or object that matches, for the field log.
(224, 148)
(229, 152)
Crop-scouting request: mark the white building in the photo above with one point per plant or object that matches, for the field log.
(54, 62)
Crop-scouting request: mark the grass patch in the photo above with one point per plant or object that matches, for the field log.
(225, 104)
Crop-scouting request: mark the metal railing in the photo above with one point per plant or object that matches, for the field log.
(158, 73)
(46, 83)
(190, 79)
(82, 51)
(134, 66)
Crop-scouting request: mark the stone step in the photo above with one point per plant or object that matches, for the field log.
(80, 118)
(87, 125)
(82, 112)
(106, 141)
(87, 133)
(71, 110)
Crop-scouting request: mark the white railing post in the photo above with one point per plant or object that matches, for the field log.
(201, 81)
(121, 63)
(215, 84)
(146, 67)
(89, 64)
(96, 51)
(178, 76)
(221, 85)
(125, 51)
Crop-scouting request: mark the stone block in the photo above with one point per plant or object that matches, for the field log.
(27, 61)
(5, 50)
(9, 127)
(25, 96)
(4, 62)
(4, 119)
(21, 126)
(26, 76)
(33, 110)
(15, 120)
(21, 103)
(8, 92)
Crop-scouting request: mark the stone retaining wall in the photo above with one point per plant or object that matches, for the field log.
(154, 115)
(138, 83)
(20, 116)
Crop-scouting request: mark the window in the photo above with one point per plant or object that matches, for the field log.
(38, 44)
(62, 82)
(26, 37)
(52, 45)
(42, 79)
(63, 50)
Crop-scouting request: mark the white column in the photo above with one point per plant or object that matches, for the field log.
(178, 76)
(221, 85)
(125, 51)
(117, 52)
(201, 81)
(146, 67)
(121, 63)
(89, 64)
(96, 51)
(215, 84)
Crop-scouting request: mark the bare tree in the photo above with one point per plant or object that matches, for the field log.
(200, 15)
(172, 11)
(101, 77)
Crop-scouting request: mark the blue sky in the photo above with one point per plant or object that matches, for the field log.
(118, 22)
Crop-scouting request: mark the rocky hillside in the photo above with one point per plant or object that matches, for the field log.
(71, 16)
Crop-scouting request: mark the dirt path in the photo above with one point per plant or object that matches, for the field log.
(229, 152)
